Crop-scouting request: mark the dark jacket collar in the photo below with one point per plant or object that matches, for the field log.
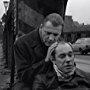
(79, 72)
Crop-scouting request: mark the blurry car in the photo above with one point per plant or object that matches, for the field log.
(82, 45)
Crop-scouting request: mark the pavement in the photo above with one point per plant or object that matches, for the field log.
(83, 62)
(4, 72)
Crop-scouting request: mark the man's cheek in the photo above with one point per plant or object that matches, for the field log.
(59, 63)
(57, 38)
(45, 38)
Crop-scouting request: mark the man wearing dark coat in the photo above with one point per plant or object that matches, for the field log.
(31, 50)
(62, 73)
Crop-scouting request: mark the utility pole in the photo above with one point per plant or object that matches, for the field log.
(5, 36)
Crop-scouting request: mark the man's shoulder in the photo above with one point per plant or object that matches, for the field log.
(27, 38)
(30, 35)
(40, 77)
(83, 73)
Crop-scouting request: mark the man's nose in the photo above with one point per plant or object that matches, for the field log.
(51, 37)
(68, 59)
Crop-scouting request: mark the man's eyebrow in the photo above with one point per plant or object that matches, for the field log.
(62, 54)
(54, 32)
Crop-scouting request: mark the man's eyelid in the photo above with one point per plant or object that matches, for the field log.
(48, 32)
(70, 52)
(62, 54)
(56, 34)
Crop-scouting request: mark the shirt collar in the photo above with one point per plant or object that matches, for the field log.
(60, 73)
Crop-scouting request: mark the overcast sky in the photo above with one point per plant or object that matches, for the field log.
(1, 8)
(79, 9)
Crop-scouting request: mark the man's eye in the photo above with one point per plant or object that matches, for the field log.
(62, 56)
(55, 34)
(70, 54)
(48, 33)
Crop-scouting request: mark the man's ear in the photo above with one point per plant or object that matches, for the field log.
(53, 56)
(40, 32)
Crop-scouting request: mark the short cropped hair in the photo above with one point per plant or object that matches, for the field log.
(55, 19)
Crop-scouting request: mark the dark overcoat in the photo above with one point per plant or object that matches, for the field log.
(80, 80)
(29, 50)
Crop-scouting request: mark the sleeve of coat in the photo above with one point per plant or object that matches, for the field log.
(38, 83)
(25, 71)
(21, 58)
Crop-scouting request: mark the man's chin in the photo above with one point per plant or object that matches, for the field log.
(48, 44)
(68, 70)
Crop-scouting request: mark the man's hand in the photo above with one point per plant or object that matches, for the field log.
(50, 50)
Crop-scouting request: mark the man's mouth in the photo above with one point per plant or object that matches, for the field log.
(49, 42)
(69, 66)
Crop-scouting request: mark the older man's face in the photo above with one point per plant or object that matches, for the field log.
(50, 34)
(64, 58)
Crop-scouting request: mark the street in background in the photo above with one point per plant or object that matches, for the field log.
(82, 45)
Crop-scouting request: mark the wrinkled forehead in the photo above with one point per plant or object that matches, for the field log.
(63, 48)
(49, 27)
(48, 24)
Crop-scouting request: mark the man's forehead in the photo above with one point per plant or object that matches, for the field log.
(63, 48)
(48, 24)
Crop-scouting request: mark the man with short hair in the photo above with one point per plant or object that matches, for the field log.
(31, 49)
(62, 73)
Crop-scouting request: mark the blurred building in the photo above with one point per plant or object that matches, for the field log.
(73, 30)
(29, 10)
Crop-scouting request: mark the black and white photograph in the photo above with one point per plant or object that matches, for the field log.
(44, 45)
